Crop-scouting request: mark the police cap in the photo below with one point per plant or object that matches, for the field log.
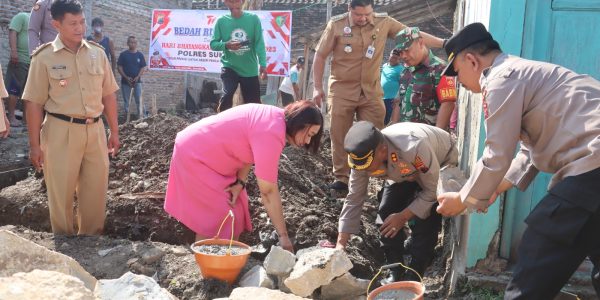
(360, 143)
(471, 34)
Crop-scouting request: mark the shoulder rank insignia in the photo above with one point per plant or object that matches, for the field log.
(405, 171)
(419, 165)
(339, 17)
(377, 172)
(380, 15)
(95, 44)
(39, 48)
(394, 156)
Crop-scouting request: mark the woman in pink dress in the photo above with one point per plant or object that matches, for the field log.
(212, 158)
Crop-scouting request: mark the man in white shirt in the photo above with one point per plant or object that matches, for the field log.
(289, 89)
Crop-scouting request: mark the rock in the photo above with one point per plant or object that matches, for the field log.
(281, 284)
(255, 293)
(153, 255)
(180, 251)
(141, 125)
(20, 255)
(257, 277)
(40, 284)
(344, 287)
(106, 251)
(279, 262)
(131, 287)
(141, 269)
(316, 268)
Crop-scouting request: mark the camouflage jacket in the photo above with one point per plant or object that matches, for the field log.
(418, 91)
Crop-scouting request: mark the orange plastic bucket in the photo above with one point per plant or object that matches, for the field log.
(223, 267)
(416, 289)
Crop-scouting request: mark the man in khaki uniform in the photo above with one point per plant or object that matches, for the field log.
(555, 113)
(4, 123)
(71, 79)
(40, 29)
(409, 157)
(356, 41)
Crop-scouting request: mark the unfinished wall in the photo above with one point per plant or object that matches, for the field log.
(121, 18)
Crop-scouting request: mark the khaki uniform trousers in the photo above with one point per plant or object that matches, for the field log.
(75, 162)
(342, 117)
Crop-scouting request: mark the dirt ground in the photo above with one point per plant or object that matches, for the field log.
(137, 223)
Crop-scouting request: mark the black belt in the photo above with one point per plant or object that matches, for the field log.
(74, 120)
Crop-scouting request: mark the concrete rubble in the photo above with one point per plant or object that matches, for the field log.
(279, 262)
(344, 287)
(131, 287)
(255, 293)
(317, 268)
(41, 284)
(20, 255)
(257, 277)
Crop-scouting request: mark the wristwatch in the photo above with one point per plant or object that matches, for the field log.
(240, 182)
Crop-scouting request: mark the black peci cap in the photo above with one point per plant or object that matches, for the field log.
(361, 141)
(469, 35)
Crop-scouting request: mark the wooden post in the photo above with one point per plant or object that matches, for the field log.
(304, 92)
(129, 105)
(141, 109)
(154, 108)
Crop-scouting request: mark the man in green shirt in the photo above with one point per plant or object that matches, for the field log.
(18, 67)
(239, 36)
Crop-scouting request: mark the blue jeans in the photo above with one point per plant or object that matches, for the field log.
(388, 110)
(137, 92)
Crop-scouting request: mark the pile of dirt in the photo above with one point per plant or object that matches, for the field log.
(137, 182)
(142, 164)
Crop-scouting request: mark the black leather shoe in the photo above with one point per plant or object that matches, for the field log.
(339, 186)
(338, 189)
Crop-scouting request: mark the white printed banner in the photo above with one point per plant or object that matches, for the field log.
(180, 40)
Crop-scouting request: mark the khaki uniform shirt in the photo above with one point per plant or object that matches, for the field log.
(416, 152)
(41, 30)
(353, 73)
(3, 92)
(70, 83)
(553, 112)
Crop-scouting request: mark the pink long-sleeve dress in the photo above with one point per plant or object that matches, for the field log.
(206, 158)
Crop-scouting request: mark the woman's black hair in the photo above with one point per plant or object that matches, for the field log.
(302, 114)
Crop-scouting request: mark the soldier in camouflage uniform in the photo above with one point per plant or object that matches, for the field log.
(425, 95)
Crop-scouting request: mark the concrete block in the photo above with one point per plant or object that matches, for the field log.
(257, 277)
(40, 284)
(20, 255)
(255, 293)
(317, 268)
(131, 287)
(344, 287)
(279, 262)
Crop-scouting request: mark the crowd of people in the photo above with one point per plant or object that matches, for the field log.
(392, 122)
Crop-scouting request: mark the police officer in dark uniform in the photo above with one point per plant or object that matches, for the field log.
(555, 114)
(409, 157)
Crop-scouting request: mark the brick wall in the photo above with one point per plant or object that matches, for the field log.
(307, 17)
(121, 19)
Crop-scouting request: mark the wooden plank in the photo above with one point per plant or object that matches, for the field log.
(145, 195)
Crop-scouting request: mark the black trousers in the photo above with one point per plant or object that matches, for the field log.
(286, 98)
(250, 87)
(424, 233)
(562, 231)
